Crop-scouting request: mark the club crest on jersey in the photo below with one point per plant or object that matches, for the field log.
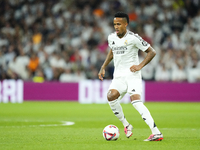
(126, 42)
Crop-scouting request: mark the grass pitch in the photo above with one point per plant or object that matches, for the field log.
(49, 126)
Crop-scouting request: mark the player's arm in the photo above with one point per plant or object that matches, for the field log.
(150, 55)
(108, 59)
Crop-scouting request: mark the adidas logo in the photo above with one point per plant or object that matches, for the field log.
(113, 42)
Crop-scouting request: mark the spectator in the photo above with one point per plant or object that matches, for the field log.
(194, 72)
(67, 76)
(162, 73)
(39, 76)
(22, 61)
(33, 64)
(69, 30)
(179, 73)
(13, 69)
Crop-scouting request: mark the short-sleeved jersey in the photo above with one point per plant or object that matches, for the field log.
(125, 52)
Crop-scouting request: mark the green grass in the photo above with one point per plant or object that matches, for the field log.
(20, 126)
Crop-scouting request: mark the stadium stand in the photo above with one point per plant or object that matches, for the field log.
(66, 40)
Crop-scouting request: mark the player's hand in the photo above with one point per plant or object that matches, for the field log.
(135, 68)
(101, 73)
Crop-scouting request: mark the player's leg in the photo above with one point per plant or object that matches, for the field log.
(113, 100)
(146, 116)
(116, 92)
(135, 90)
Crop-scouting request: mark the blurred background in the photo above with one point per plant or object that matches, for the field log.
(52, 50)
(66, 40)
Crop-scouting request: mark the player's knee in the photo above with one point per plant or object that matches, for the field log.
(135, 97)
(112, 95)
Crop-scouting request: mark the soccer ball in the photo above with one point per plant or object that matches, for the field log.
(111, 133)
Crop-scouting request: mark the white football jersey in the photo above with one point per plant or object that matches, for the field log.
(125, 52)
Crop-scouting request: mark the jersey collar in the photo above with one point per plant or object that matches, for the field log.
(124, 35)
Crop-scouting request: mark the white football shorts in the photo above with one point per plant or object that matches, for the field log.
(127, 84)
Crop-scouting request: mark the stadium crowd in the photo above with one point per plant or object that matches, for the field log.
(66, 40)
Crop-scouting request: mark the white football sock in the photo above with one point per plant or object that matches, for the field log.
(146, 116)
(117, 110)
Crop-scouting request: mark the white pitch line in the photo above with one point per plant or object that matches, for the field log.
(64, 123)
(67, 123)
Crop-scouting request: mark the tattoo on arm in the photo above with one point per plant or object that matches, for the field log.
(150, 55)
